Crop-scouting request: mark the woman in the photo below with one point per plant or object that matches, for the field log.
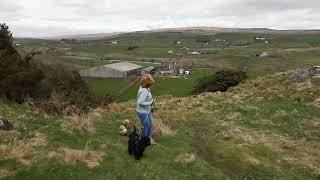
(144, 105)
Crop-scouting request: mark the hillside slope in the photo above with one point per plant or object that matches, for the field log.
(262, 129)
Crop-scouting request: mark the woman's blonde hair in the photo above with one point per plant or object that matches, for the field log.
(147, 81)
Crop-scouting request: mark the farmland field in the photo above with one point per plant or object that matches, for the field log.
(222, 51)
(175, 86)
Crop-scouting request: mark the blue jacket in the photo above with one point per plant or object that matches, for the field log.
(145, 101)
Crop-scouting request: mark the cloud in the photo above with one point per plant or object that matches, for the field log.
(55, 17)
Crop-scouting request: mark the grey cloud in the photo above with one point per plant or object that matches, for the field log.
(52, 17)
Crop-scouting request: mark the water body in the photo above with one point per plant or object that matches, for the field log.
(141, 62)
(79, 57)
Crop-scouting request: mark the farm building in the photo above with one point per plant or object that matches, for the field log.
(116, 70)
(150, 70)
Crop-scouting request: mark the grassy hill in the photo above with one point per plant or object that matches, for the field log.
(263, 129)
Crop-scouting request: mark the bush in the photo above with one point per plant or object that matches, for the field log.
(63, 88)
(203, 39)
(131, 48)
(18, 78)
(53, 87)
(221, 81)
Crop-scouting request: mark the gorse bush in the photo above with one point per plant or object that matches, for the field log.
(52, 87)
(18, 78)
(203, 39)
(221, 81)
(131, 48)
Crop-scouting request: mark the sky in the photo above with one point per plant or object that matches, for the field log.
(43, 18)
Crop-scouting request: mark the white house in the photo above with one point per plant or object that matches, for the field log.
(260, 38)
(194, 53)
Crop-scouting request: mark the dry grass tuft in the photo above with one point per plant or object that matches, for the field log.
(8, 136)
(304, 86)
(17, 150)
(186, 158)
(281, 113)
(161, 129)
(316, 103)
(5, 173)
(234, 116)
(39, 140)
(253, 160)
(103, 146)
(114, 107)
(315, 122)
(73, 156)
(83, 122)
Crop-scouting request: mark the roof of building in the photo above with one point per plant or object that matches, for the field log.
(149, 68)
(123, 66)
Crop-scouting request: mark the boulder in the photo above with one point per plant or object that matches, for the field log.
(5, 124)
(265, 55)
(299, 75)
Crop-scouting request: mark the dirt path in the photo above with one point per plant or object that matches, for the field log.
(213, 159)
(127, 87)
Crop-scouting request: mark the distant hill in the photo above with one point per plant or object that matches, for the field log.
(185, 30)
(247, 30)
(84, 36)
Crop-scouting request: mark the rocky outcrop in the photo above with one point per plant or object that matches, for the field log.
(5, 124)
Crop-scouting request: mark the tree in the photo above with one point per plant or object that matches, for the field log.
(18, 78)
(203, 39)
(6, 38)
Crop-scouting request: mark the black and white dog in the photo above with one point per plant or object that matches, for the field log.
(137, 144)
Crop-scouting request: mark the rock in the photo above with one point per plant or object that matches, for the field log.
(299, 75)
(264, 55)
(5, 124)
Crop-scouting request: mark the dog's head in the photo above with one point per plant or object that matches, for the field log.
(126, 123)
(134, 133)
(123, 130)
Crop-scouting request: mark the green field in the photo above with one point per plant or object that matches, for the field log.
(225, 51)
(238, 50)
(178, 87)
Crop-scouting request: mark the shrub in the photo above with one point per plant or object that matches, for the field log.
(53, 87)
(220, 81)
(18, 78)
(203, 39)
(131, 48)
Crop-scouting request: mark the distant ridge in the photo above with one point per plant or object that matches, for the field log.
(84, 36)
(185, 30)
(218, 29)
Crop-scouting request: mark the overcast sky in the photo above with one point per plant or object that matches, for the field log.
(40, 18)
